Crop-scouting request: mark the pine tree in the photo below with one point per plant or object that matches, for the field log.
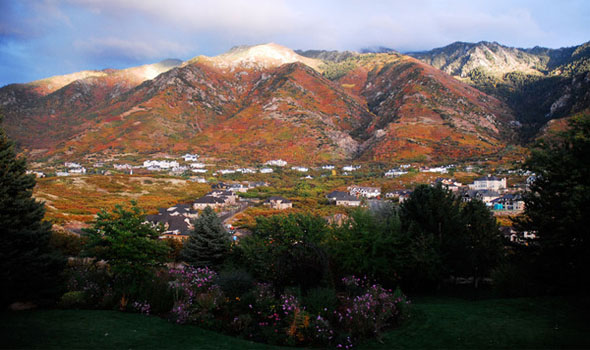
(209, 243)
(29, 270)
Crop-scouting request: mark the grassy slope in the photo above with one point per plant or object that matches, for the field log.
(435, 323)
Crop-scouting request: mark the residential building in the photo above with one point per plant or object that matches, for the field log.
(276, 162)
(190, 157)
(278, 202)
(488, 183)
(367, 192)
(343, 198)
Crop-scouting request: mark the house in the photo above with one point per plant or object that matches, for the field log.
(177, 220)
(395, 172)
(300, 169)
(190, 157)
(208, 201)
(276, 162)
(439, 169)
(228, 196)
(62, 173)
(237, 187)
(246, 170)
(449, 184)
(367, 192)
(80, 170)
(328, 167)
(122, 166)
(37, 173)
(512, 202)
(72, 165)
(278, 202)
(197, 165)
(486, 196)
(400, 195)
(343, 198)
(227, 171)
(156, 165)
(266, 170)
(488, 183)
(351, 167)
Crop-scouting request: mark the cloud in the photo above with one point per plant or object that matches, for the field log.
(62, 35)
(131, 50)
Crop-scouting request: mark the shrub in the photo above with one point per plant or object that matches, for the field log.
(74, 299)
(320, 300)
(235, 283)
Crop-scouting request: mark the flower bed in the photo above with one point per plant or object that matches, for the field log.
(362, 310)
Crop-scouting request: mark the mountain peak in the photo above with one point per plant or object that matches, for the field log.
(262, 56)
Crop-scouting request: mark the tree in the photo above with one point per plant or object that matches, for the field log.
(432, 220)
(287, 250)
(557, 206)
(29, 269)
(209, 243)
(365, 245)
(130, 245)
(482, 243)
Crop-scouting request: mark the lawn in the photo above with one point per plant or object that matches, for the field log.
(435, 323)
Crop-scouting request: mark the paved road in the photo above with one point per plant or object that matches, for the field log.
(228, 216)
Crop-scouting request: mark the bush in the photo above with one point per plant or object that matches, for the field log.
(235, 283)
(75, 299)
(93, 280)
(320, 301)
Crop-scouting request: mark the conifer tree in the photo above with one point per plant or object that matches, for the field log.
(29, 270)
(209, 243)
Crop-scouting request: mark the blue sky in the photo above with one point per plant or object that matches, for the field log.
(53, 37)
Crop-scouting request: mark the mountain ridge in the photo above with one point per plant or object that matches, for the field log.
(266, 101)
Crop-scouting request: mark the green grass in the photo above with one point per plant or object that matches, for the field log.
(435, 323)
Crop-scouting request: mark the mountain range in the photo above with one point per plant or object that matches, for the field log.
(261, 102)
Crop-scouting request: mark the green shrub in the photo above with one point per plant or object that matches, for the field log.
(234, 283)
(320, 301)
(75, 299)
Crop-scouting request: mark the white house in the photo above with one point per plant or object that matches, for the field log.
(488, 183)
(351, 167)
(122, 166)
(367, 192)
(80, 170)
(300, 169)
(328, 167)
(199, 171)
(227, 171)
(395, 172)
(197, 165)
(190, 157)
(266, 170)
(246, 170)
(72, 165)
(276, 162)
(160, 164)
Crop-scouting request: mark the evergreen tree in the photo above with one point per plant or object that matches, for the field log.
(209, 243)
(557, 206)
(29, 269)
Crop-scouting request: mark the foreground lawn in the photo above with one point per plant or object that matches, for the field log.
(435, 323)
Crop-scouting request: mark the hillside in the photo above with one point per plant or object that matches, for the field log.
(539, 84)
(259, 102)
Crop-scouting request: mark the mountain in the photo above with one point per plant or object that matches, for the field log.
(255, 103)
(539, 84)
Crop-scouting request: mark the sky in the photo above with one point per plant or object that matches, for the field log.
(44, 38)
